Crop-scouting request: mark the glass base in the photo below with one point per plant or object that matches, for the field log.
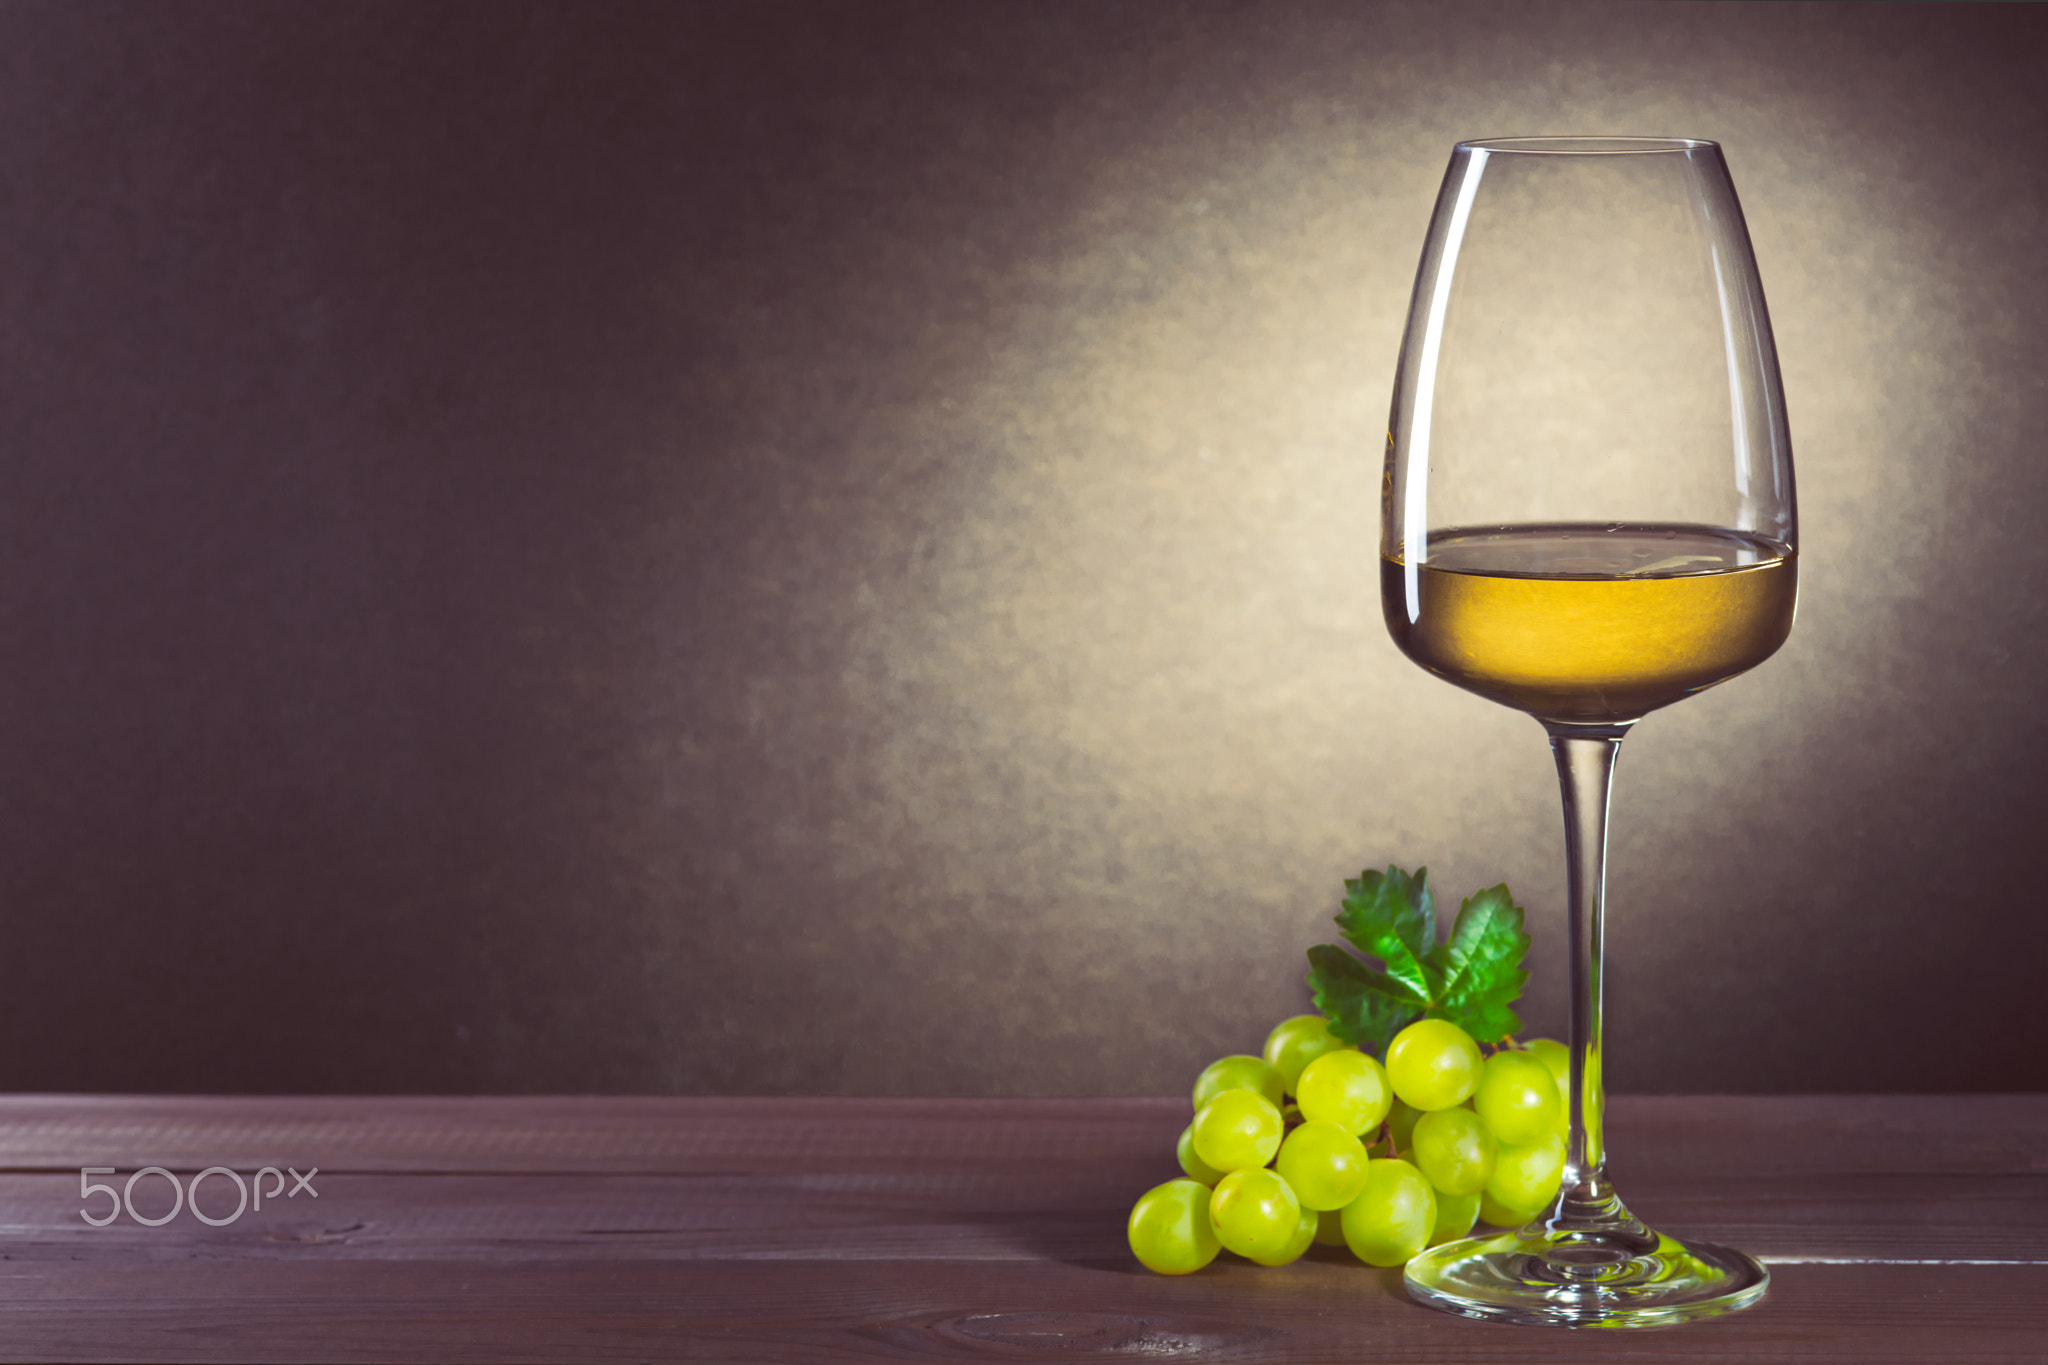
(1556, 1278)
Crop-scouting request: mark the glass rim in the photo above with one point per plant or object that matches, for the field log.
(1586, 145)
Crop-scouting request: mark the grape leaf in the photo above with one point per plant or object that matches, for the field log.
(1365, 1008)
(1391, 916)
(1472, 979)
(1480, 969)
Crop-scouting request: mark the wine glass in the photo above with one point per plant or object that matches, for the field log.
(1587, 514)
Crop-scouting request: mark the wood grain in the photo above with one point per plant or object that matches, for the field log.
(1900, 1228)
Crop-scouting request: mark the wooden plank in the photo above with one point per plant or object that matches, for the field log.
(565, 1133)
(1071, 1213)
(1305, 1314)
(1799, 1134)
(1650, 1135)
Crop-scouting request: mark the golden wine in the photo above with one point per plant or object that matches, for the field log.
(1591, 622)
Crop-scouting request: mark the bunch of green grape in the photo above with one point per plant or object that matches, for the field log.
(1318, 1142)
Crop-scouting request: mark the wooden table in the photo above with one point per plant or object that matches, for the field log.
(635, 1229)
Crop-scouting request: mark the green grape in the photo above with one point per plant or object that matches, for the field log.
(1492, 1211)
(1517, 1097)
(1324, 1164)
(1191, 1160)
(1238, 1073)
(1330, 1228)
(1255, 1214)
(1346, 1088)
(1297, 1246)
(1401, 1122)
(1170, 1230)
(1296, 1042)
(1455, 1215)
(1558, 1058)
(1433, 1064)
(1526, 1176)
(1393, 1215)
(1236, 1130)
(1454, 1150)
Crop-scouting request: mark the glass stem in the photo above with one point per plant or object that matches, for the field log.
(1585, 771)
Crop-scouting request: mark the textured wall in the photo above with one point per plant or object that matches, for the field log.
(830, 547)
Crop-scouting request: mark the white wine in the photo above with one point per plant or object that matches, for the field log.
(1591, 622)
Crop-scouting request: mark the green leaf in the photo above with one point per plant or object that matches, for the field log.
(1487, 1021)
(1391, 916)
(1472, 980)
(1480, 969)
(1364, 1007)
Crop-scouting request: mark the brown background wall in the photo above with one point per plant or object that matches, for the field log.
(829, 547)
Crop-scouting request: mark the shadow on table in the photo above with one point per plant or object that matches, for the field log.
(1095, 1240)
